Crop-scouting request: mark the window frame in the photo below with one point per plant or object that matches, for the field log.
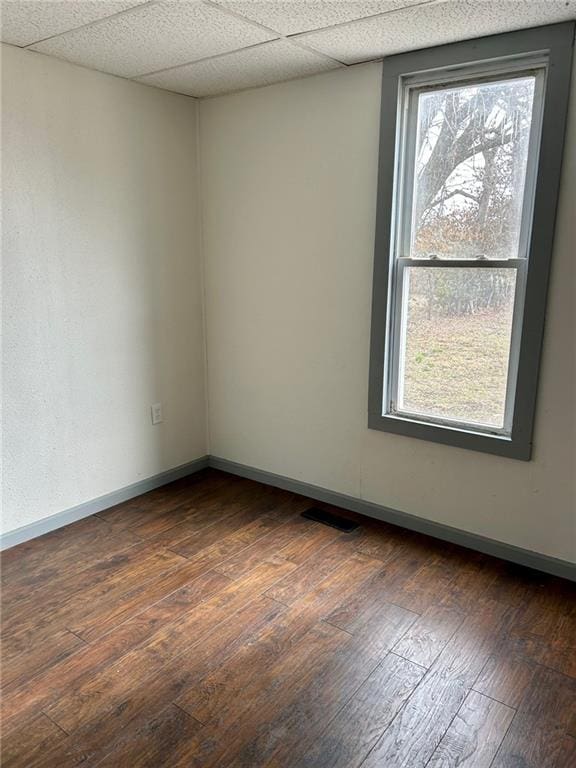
(408, 91)
(523, 51)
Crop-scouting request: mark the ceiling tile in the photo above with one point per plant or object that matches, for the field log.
(252, 67)
(291, 16)
(154, 37)
(443, 21)
(27, 22)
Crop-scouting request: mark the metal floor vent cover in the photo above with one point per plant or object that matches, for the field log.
(321, 516)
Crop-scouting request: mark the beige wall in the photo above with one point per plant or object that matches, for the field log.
(289, 184)
(102, 276)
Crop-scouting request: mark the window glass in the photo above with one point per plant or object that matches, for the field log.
(470, 169)
(455, 343)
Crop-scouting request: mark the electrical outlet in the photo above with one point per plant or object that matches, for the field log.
(156, 411)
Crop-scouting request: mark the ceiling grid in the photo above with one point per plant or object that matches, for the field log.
(209, 47)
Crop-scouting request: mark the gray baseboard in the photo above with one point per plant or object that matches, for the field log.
(60, 519)
(526, 557)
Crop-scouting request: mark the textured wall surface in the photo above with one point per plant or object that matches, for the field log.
(102, 275)
(289, 185)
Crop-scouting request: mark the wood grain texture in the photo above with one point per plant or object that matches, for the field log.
(474, 735)
(23, 666)
(429, 634)
(416, 731)
(111, 685)
(506, 678)
(64, 614)
(159, 741)
(99, 737)
(27, 744)
(68, 675)
(351, 734)
(313, 572)
(250, 669)
(206, 624)
(531, 744)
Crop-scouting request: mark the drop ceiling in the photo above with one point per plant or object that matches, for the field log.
(208, 47)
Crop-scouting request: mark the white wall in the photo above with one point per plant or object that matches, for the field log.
(102, 277)
(289, 185)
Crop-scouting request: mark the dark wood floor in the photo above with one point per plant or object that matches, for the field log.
(208, 624)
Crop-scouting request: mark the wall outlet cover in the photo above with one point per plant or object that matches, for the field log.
(156, 411)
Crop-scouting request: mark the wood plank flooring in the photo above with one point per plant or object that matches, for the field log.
(207, 625)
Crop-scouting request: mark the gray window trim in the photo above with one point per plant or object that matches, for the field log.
(556, 41)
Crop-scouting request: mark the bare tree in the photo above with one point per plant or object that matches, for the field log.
(472, 149)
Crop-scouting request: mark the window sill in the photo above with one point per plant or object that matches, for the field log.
(514, 448)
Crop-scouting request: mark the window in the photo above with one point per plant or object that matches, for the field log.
(469, 172)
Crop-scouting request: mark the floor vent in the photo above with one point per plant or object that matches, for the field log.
(321, 516)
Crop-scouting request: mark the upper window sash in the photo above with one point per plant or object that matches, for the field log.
(410, 88)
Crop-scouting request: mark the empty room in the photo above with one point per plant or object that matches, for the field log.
(288, 384)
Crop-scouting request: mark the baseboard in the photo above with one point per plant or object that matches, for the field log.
(509, 552)
(526, 557)
(60, 519)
